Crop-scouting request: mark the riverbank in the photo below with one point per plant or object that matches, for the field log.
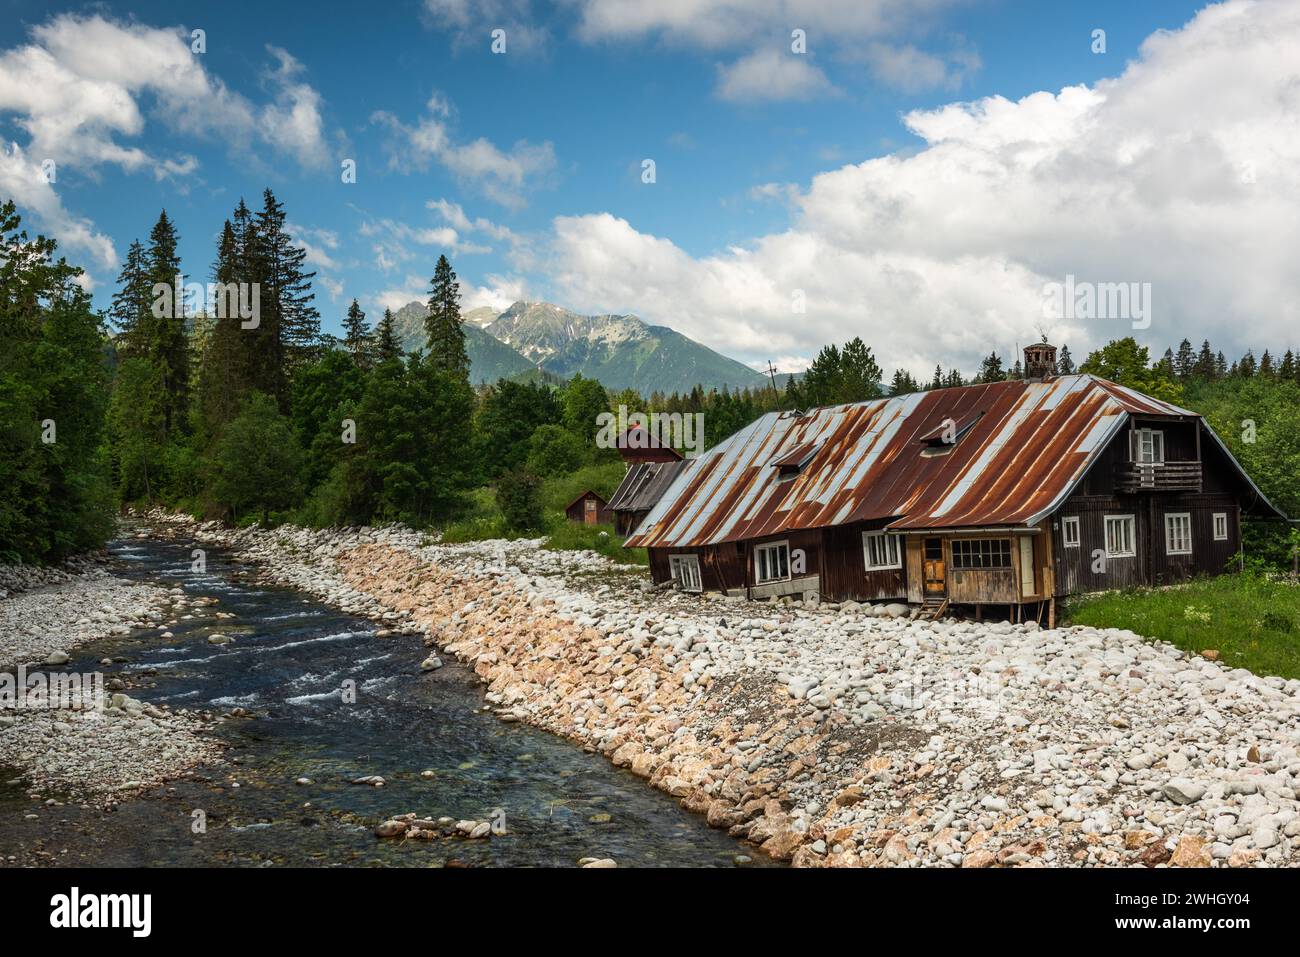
(831, 736)
(98, 745)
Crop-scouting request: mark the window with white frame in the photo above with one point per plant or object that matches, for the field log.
(1220, 526)
(1070, 531)
(1121, 536)
(686, 572)
(772, 562)
(880, 550)
(1178, 533)
(1150, 447)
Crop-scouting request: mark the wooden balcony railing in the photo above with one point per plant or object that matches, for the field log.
(1166, 477)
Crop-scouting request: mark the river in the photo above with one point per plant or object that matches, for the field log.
(425, 734)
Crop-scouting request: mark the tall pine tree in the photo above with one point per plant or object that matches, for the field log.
(226, 367)
(1065, 362)
(129, 312)
(386, 345)
(164, 340)
(446, 337)
(286, 296)
(1184, 361)
(356, 336)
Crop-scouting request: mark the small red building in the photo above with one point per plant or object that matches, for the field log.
(589, 509)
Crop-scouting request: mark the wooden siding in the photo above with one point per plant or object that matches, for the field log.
(834, 563)
(1096, 498)
(844, 574)
(577, 510)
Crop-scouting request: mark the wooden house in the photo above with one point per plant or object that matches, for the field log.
(638, 444)
(642, 487)
(589, 509)
(1010, 494)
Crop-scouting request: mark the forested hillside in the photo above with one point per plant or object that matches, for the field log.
(228, 402)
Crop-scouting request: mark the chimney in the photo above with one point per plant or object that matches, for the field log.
(1040, 361)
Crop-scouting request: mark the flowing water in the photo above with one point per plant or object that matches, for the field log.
(291, 659)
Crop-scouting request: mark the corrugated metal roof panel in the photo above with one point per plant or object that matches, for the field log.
(1028, 443)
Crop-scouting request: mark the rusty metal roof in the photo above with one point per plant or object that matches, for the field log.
(1027, 446)
(644, 484)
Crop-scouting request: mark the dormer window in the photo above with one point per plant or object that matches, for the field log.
(793, 462)
(1149, 447)
(944, 437)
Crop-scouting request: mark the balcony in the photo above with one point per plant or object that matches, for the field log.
(1166, 477)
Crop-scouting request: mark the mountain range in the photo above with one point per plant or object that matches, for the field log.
(623, 352)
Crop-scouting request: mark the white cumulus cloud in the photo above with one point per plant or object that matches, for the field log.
(1182, 172)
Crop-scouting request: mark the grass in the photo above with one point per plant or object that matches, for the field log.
(570, 536)
(483, 519)
(1252, 620)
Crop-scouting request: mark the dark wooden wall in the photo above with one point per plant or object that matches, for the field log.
(844, 574)
(835, 554)
(1096, 498)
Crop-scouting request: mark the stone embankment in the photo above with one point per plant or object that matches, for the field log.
(835, 736)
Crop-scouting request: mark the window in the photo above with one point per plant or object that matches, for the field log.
(1178, 533)
(971, 553)
(1220, 526)
(772, 562)
(686, 571)
(1120, 536)
(880, 550)
(1150, 447)
(1070, 531)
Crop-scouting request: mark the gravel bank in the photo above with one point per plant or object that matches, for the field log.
(95, 754)
(833, 736)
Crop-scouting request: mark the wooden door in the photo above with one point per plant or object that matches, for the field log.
(935, 571)
(1028, 587)
(589, 511)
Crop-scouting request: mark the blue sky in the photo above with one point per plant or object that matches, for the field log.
(536, 154)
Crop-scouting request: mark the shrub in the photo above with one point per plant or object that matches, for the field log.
(518, 497)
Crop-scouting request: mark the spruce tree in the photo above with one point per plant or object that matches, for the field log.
(164, 339)
(1287, 370)
(1266, 369)
(1167, 364)
(1184, 361)
(1065, 362)
(991, 369)
(902, 383)
(226, 363)
(356, 338)
(446, 337)
(130, 307)
(386, 344)
(1246, 367)
(286, 299)
(859, 374)
(1205, 367)
(937, 381)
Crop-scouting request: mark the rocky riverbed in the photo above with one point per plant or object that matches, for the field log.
(835, 736)
(99, 744)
